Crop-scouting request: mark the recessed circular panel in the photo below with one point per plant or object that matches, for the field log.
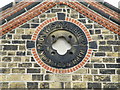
(72, 34)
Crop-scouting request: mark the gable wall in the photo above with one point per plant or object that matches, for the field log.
(20, 70)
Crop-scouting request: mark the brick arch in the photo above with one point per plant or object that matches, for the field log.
(47, 5)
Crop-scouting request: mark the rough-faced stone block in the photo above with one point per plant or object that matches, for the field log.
(32, 85)
(76, 77)
(7, 59)
(37, 77)
(18, 70)
(102, 78)
(107, 71)
(79, 85)
(44, 85)
(10, 47)
(94, 85)
(17, 85)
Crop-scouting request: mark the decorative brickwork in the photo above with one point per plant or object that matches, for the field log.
(18, 57)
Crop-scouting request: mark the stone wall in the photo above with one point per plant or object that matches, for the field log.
(19, 69)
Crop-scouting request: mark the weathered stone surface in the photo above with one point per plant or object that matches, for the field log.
(94, 85)
(113, 42)
(109, 60)
(107, 71)
(96, 59)
(100, 54)
(21, 53)
(10, 47)
(102, 78)
(117, 48)
(87, 78)
(17, 85)
(22, 47)
(44, 85)
(5, 42)
(94, 71)
(26, 36)
(112, 54)
(105, 48)
(12, 64)
(113, 65)
(25, 65)
(99, 66)
(62, 77)
(4, 85)
(33, 70)
(5, 70)
(12, 53)
(111, 85)
(37, 77)
(3, 78)
(14, 77)
(115, 78)
(82, 71)
(109, 37)
(56, 85)
(7, 59)
(17, 59)
(26, 77)
(32, 85)
(18, 70)
(19, 31)
(97, 31)
(67, 85)
(102, 42)
(76, 78)
(49, 77)
(79, 85)
(29, 31)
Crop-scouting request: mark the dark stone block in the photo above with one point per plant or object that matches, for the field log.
(105, 48)
(118, 71)
(10, 47)
(5, 41)
(21, 53)
(117, 48)
(107, 71)
(100, 36)
(99, 66)
(97, 31)
(113, 65)
(32, 5)
(33, 70)
(18, 42)
(32, 59)
(113, 42)
(118, 60)
(56, 10)
(44, 85)
(102, 42)
(100, 54)
(36, 65)
(36, 20)
(9, 36)
(30, 44)
(93, 45)
(112, 86)
(25, 65)
(88, 26)
(37, 77)
(81, 16)
(26, 36)
(61, 16)
(82, 20)
(32, 85)
(94, 85)
(25, 26)
(34, 25)
(6, 59)
(89, 66)
(91, 32)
